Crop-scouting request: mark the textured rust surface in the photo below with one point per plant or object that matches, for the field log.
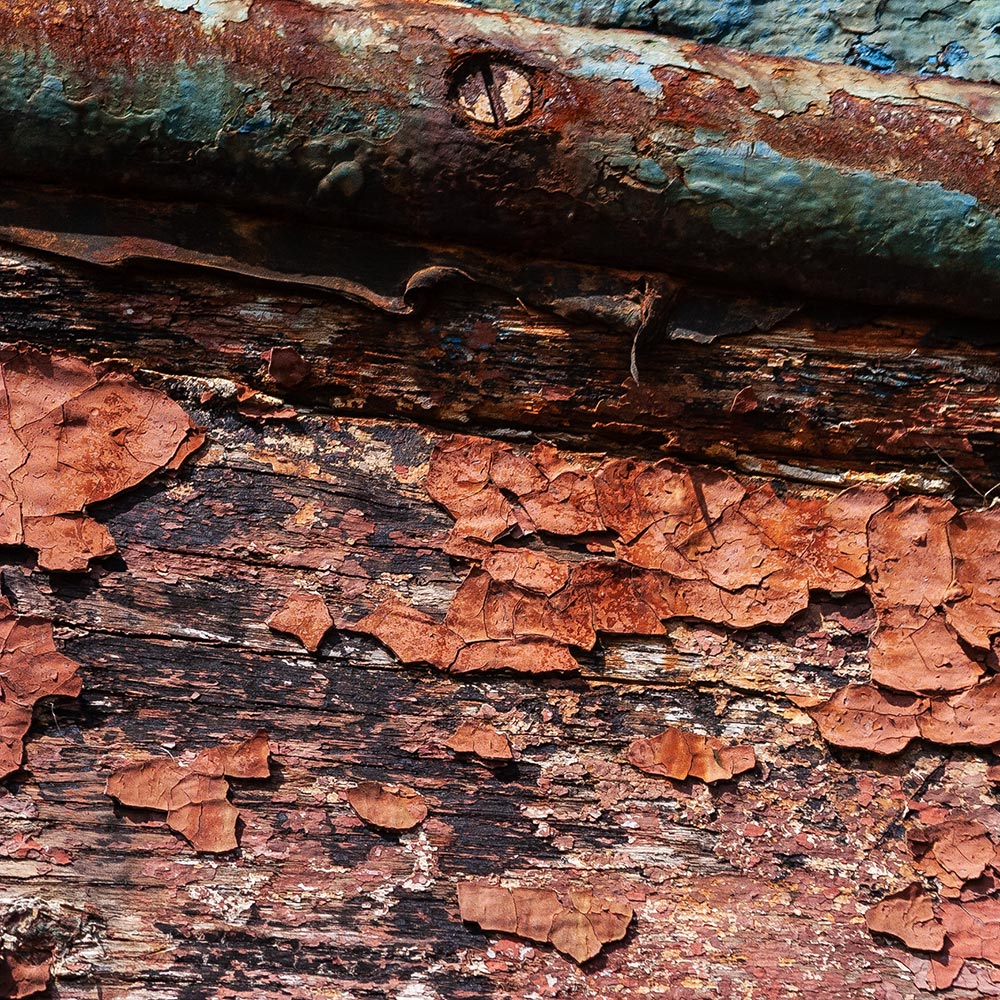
(618, 148)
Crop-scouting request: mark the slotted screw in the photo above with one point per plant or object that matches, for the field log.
(493, 93)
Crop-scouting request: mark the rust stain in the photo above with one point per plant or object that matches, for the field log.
(600, 119)
(195, 795)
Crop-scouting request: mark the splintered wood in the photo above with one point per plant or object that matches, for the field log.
(698, 811)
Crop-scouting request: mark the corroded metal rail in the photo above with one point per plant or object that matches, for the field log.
(459, 126)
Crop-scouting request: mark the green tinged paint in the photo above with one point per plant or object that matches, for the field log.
(959, 38)
(832, 216)
(387, 158)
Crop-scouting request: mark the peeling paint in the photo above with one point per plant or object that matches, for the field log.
(213, 13)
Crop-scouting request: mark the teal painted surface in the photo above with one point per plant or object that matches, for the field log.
(832, 216)
(614, 175)
(958, 38)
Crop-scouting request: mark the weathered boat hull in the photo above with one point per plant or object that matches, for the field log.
(631, 150)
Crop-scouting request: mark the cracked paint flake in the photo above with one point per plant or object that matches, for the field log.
(71, 435)
(194, 794)
(304, 615)
(31, 668)
(576, 923)
(213, 13)
(960, 859)
(909, 916)
(388, 807)
(696, 543)
(481, 740)
(677, 754)
(954, 852)
(26, 974)
(286, 367)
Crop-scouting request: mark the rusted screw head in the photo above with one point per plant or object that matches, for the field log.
(493, 92)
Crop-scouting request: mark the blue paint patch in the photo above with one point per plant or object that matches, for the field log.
(648, 171)
(950, 56)
(829, 215)
(261, 120)
(873, 57)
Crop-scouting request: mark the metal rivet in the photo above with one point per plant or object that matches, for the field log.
(493, 92)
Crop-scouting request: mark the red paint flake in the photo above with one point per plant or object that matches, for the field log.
(286, 367)
(194, 796)
(30, 669)
(909, 916)
(304, 615)
(677, 754)
(954, 851)
(388, 807)
(25, 975)
(480, 740)
(577, 924)
(74, 435)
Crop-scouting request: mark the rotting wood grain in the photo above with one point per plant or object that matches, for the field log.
(727, 881)
(832, 395)
(173, 640)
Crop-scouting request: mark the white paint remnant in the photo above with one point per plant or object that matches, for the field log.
(417, 989)
(214, 13)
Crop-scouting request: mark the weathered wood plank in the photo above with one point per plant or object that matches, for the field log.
(828, 395)
(755, 888)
